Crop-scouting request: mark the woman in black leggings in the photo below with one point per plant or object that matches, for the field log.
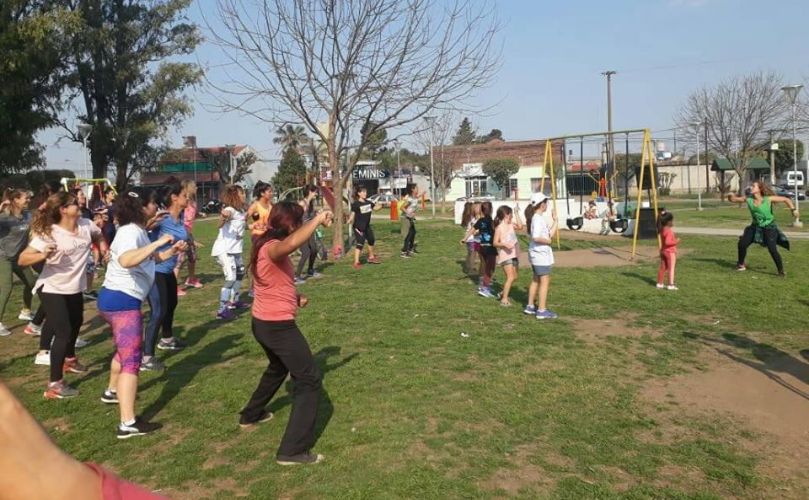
(309, 249)
(409, 205)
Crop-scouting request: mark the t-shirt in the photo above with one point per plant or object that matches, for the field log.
(109, 225)
(263, 219)
(485, 228)
(275, 297)
(135, 281)
(64, 272)
(176, 228)
(508, 236)
(230, 239)
(362, 213)
(190, 215)
(668, 240)
(13, 234)
(472, 237)
(115, 488)
(412, 203)
(540, 254)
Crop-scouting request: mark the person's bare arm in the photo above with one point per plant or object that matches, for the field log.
(299, 236)
(786, 201)
(734, 198)
(31, 255)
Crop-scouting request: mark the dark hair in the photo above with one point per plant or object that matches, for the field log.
(310, 188)
(45, 190)
(529, 214)
(502, 212)
(409, 188)
(259, 189)
(486, 208)
(109, 190)
(51, 214)
(664, 219)
(285, 218)
(765, 188)
(171, 189)
(129, 209)
(230, 196)
(358, 190)
(466, 217)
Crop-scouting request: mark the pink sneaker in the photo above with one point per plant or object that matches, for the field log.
(181, 292)
(194, 283)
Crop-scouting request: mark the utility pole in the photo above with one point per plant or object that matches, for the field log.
(772, 159)
(707, 167)
(610, 145)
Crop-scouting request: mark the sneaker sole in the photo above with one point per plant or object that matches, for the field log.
(253, 424)
(286, 463)
(169, 348)
(47, 395)
(132, 434)
(109, 401)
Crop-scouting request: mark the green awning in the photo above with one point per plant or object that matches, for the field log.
(723, 165)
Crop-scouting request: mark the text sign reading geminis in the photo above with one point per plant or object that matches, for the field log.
(369, 173)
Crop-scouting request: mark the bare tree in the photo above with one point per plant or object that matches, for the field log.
(739, 112)
(353, 65)
(440, 135)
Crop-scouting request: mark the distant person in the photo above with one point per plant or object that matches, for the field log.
(360, 221)
(15, 222)
(310, 248)
(763, 230)
(540, 254)
(189, 257)
(409, 205)
(227, 250)
(668, 250)
(470, 216)
(484, 229)
(506, 225)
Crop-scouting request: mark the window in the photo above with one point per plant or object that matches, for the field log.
(512, 187)
(536, 182)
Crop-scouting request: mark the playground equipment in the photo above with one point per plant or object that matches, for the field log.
(93, 188)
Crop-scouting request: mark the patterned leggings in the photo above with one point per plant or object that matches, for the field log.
(127, 328)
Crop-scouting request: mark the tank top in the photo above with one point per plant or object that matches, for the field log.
(508, 236)
(762, 214)
(263, 218)
(274, 288)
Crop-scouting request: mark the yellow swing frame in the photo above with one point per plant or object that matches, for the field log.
(547, 165)
(647, 156)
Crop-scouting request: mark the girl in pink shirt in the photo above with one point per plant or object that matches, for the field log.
(274, 309)
(668, 249)
(62, 239)
(508, 246)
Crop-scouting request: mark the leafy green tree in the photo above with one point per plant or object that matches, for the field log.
(291, 171)
(465, 133)
(376, 138)
(126, 78)
(495, 133)
(500, 170)
(783, 157)
(32, 40)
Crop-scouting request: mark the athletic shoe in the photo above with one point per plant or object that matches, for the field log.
(139, 428)
(80, 342)
(547, 314)
(661, 286)
(59, 390)
(672, 287)
(486, 292)
(266, 416)
(181, 292)
(225, 313)
(374, 260)
(43, 358)
(194, 283)
(153, 365)
(4, 332)
(109, 397)
(782, 275)
(299, 280)
(404, 255)
(33, 330)
(72, 365)
(411, 253)
(171, 344)
(314, 274)
(741, 267)
(357, 266)
(299, 459)
(25, 315)
(530, 309)
(238, 305)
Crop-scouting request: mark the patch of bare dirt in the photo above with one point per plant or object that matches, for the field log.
(603, 256)
(522, 474)
(769, 397)
(599, 329)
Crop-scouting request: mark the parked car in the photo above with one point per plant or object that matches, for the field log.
(789, 193)
(384, 199)
(212, 207)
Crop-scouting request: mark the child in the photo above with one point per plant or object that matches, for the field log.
(668, 249)
(508, 246)
(408, 207)
(592, 210)
(227, 249)
(484, 228)
(360, 219)
(190, 255)
(471, 214)
(540, 254)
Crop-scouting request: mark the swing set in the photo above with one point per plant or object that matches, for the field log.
(621, 223)
(91, 187)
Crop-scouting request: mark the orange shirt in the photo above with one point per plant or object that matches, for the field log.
(274, 287)
(263, 219)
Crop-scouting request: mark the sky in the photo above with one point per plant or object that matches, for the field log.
(553, 54)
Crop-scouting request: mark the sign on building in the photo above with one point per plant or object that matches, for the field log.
(369, 173)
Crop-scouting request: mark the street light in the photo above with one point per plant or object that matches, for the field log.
(430, 120)
(190, 141)
(85, 130)
(230, 147)
(398, 165)
(792, 91)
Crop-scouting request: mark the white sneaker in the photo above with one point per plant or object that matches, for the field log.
(80, 342)
(26, 315)
(672, 287)
(43, 358)
(4, 332)
(661, 286)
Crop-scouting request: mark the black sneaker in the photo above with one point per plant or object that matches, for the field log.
(109, 397)
(265, 417)
(299, 459)
(170, 344)
(91, 295)
(139, 428)
(153, 365)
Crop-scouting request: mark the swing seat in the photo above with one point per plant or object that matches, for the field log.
(619, 225)
(575, 223)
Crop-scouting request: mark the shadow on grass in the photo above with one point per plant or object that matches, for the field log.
(771, 360)
(649, 280)
(723, 263)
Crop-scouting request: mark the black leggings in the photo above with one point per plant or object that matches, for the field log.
(308, 254)
(167, 288)
(770, 238)
(65, 316)
(288, 353)
(410, 238)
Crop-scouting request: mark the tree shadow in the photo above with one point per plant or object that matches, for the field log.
(771, 360)
(641, 277)
(722, 263)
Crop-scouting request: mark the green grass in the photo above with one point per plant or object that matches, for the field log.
(411, 409)
(719, 214)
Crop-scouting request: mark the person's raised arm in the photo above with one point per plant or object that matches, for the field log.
(31, 255)
(519, 224)
(134, 257)
(299, 236)
(734, 198)
(786, 201)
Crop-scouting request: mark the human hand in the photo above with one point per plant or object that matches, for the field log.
(49, 250)
(166, 239)
(106, 257)
(180, 246)
(326, 217)
(302, 301)
(554, 216)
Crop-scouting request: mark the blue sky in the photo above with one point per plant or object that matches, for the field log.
(553, 53)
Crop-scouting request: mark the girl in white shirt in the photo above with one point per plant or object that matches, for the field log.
(540, 254)
(227, 249)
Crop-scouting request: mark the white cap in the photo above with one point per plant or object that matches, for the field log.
(538, 198)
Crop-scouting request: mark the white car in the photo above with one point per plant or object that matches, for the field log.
(383, 200)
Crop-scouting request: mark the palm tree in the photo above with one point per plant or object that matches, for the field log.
(290, 136)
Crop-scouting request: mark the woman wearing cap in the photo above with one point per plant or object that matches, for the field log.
(540, 255)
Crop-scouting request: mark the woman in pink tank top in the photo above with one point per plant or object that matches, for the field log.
(275, 306)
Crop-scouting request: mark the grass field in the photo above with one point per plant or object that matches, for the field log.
(586, 406)
(721, 214)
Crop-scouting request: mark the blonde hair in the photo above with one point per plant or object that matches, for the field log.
(190, 188)
(11, 194)
(51, 213)
(230, 197)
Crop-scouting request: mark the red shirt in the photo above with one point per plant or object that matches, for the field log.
(275, 297)
(668, 240)
(114, 488)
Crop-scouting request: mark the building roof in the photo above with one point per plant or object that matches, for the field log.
(724, 165)
(190, 155)
(524, 152)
